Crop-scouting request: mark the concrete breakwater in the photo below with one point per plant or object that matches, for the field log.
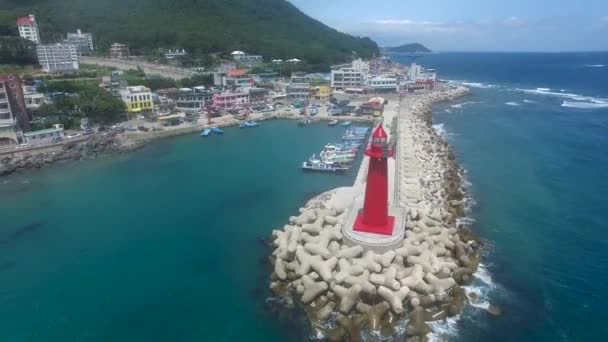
(347, 291)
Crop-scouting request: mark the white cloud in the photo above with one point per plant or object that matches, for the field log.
(414, 26)
(515, 21)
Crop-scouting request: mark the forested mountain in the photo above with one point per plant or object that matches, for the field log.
(408, 48)
(274, 28)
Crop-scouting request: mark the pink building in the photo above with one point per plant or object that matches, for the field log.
(227, 100)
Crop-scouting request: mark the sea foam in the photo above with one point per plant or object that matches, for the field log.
(512, 104)
(585, 105)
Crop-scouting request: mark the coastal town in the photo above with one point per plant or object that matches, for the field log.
(238, 88)
(387, 251)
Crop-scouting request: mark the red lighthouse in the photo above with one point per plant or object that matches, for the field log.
(374, 216)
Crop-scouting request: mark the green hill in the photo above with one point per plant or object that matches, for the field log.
(408, 48)
(274, 28)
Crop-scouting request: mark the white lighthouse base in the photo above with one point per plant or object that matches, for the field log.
(378, 243)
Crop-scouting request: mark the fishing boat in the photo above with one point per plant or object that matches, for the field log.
(323, 167)
(304, 122)
(346, 123)
(218, 130)
(243, 125)
(205, 132)
(251, 124)
(333, 122)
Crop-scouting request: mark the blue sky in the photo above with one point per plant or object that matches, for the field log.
(468, 25)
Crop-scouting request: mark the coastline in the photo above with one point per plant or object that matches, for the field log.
(344, 289)
(99, 145)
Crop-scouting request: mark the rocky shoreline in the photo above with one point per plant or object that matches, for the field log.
(348, 291)
(93, 147)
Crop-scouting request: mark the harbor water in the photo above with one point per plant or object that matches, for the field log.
(533, 137)
(162, 244)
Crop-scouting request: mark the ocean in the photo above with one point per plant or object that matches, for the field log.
(533, 139)
(162, 244)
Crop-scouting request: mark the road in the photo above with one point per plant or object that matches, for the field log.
(149, 68)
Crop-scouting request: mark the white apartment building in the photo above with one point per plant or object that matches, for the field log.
(33, 99)
(82, 41)
(28, 28)
(244, 59)
(345, 78)
(381, 83)
(8, 123)
(57, 57)
(361, 66)
(414, 72)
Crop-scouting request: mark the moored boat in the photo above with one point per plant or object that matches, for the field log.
(218, 130)
(323, 167)
(333, 122)
(346, 123)
(205, 132)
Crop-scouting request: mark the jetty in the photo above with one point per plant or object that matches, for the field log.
(347, 284)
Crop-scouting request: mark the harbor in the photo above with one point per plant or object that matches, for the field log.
(347, 282)
(338, 157)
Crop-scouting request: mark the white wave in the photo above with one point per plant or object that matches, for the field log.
(595, 65)
(529, 101)
(483, 274)
(585, 105)
(512, 104)
(570, 96)
(460, 105)
(440, 129)
(447, 110)
(444, 330)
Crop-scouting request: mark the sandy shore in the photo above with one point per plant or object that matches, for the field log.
(347, 290)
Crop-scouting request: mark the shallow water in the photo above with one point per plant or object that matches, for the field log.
(163, 244)
(538, 174)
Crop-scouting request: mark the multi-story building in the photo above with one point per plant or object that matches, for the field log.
(321, 93)
(57, 57)
(33, 99)
(28, 28)
(244, 59)
(13, 112)
(346, 78)
(361, 66)
(298, 90)
(193, 99)
(82, 41)
(137, 98)
(119, 51)
(228, 100)
(379, 83)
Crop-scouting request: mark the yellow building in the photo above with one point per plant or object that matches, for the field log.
(137, 99)
(322, 93)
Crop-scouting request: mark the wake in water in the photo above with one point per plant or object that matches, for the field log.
(594, 65)
(514, 104)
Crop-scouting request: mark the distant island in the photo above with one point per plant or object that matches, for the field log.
(272, 28)
(408, 48)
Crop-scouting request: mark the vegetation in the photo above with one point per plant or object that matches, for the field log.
(409, 48)
(273, 28)
(81, 99)
(17, 51)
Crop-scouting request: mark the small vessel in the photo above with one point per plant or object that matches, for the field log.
(316, 165)
(304, 122)
(345, 123)
(251, 124)
(333, 122)
(242, 125)
(218, 130)
(205, 132)
(313, 112)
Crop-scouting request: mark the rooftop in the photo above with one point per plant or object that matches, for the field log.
(28, 19)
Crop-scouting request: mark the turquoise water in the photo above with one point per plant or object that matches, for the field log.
(537, 160)
(162, 244)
